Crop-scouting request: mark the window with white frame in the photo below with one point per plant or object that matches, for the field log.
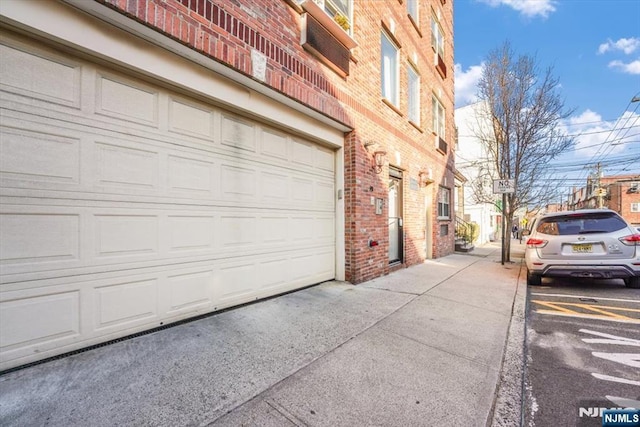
(437, 37)
(444, 201)
(412, 10)
(635, 207)
(438, 117)
(413, 94)
(340, 11)
(389, 70)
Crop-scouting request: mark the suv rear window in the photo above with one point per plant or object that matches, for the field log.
(604, 222)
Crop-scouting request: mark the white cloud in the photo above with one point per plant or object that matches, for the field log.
(628, 46)
(596, 136)
(466, 84)
(628, 68)
(529, 8)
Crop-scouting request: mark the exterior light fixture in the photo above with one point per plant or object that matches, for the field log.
(378, 160)
(424, 178)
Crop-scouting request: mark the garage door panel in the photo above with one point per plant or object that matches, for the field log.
(124, 235)
(190, 119)
(126, 304)
(190, 291)
(303, 153)
(324, 194)
(191, 177)
(324, 159)
(130, 165)
(124, 166)
(274, 186)
(237, 183)
(39, 157)
(39, 320)
(40, 75)
(75, 239)
(191, 233)
(274, 144)
(39, 238)
(126, 206)
(302, 190)
(126, 100)
(238, 133)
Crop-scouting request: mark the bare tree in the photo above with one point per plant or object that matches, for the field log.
(518, 124)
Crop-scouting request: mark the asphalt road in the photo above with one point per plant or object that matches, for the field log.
(583, 351)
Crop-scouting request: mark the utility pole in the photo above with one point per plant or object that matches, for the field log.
(599, 188)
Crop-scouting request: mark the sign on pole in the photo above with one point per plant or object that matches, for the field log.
(502, 186)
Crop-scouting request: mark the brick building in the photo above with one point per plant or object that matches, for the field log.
(168, 158)
(620, 193)
(623, 196)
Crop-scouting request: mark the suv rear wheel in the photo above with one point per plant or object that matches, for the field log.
(534, 279)
(632, 282)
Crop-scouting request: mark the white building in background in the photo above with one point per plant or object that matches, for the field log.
(473, 162)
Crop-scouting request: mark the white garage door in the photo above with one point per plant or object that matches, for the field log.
(126, 206)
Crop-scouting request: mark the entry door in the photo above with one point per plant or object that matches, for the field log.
(395, 216)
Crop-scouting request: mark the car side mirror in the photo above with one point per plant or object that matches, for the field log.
(526, 232)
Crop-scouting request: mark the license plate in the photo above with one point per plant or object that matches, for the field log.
(582, 249)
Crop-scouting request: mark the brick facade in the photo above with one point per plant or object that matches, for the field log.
(229, 31)
(622, 192)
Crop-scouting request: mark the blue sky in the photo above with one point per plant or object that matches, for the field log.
(594, 49)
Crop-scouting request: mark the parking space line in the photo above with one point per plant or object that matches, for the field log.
(588, 316)
(635, 310)
(633, 301)
(569, 308)
(598, 310)
(555, 307)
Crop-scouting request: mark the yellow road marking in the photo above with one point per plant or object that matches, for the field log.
(620, 308)
(555, 306)
(588, 316)
(598, 310)
(564, 309)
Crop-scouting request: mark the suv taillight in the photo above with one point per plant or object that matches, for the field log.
(631, 240)
(536, 243)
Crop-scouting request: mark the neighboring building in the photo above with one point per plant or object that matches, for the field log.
(163, 159)
(473, 161)
(556, 207)
(620, 193)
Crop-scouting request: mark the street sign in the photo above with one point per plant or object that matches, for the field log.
(501, 186)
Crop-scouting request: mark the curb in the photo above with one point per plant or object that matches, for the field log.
(508, 403)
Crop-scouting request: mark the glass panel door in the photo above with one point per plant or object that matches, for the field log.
(395, 216)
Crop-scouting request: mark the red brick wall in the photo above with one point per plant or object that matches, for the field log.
(227, 31)
(620, 200)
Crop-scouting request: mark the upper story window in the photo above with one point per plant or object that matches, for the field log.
(444, 201)
(437, 36)
(412, 10)
(413, 94)
(438, 117)
(439, 124)
(437, 43)
(326, 32)
(339, 10)
(389, 69)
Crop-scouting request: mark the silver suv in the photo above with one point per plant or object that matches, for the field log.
(590, 243)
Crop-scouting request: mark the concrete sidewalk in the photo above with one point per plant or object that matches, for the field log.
(422, 346)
